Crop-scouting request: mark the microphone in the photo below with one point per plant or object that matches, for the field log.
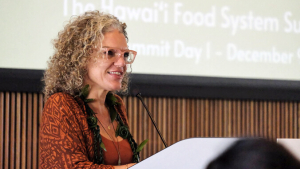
(162, 139)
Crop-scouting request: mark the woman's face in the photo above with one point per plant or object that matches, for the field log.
(104, 73)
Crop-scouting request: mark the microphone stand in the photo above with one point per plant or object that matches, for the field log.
(162, 139)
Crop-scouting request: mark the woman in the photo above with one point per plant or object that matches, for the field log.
(84, 125)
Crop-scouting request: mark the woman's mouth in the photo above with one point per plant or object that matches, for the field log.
(115, 73)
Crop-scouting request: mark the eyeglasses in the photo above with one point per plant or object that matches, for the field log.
(115, 53)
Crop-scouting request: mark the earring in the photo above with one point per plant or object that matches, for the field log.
(129, 66)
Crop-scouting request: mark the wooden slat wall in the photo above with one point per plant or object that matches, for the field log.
(177, 118)
(180, 118)
(19, 128)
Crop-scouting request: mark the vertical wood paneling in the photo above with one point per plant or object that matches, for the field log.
(256, 119)
(139, 121)
(206, 118)
(278, 116)
(164, 122)
(193, 118)
(12, 130)
(269, 119)
(286, 117)
(239, 119)
(200, 108)
(41, 105)
(265, 119)
(174, 121)
(35, 130)
(18, 130)
(179, 126)
(149, 130)
(260, 119)
(282, 115)
(6, 130)
(273, 116)
(177, 118)
(211, 115)
(29, 131)
(234, 118)
(145, 130)
(243, 115)
(252, 119)
(183, 119)
(228, 110)
(221, 119)
(159, 116)
(1, 129)
(298, 114)
(295, 128)
(156, 114)
(199, 118)
(289, 119)
(169, 121)
(24, 129)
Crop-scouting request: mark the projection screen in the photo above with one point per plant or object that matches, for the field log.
(232, 39)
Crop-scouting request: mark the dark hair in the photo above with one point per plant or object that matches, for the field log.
(255, 154)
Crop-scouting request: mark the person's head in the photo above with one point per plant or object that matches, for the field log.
(90, 49)
(255, 154)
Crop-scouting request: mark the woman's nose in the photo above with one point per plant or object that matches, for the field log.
(120, 62)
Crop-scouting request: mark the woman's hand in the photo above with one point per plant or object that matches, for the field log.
(130, 165)
(124, 166)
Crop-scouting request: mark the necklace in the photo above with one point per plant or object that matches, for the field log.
(108, 126)
(118, 149)
(122, 129)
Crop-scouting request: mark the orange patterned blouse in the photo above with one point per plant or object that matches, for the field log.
(65, 138)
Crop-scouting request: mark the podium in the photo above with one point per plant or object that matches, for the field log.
(291, 144)
(192, 153)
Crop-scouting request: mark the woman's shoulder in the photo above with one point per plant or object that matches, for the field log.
(60, 96)
(64, 97)
(63, 100)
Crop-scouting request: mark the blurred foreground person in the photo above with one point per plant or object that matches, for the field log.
(255, 154)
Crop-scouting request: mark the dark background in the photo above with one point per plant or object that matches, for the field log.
(24, 80)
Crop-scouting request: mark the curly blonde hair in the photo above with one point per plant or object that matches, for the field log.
(73, 47)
